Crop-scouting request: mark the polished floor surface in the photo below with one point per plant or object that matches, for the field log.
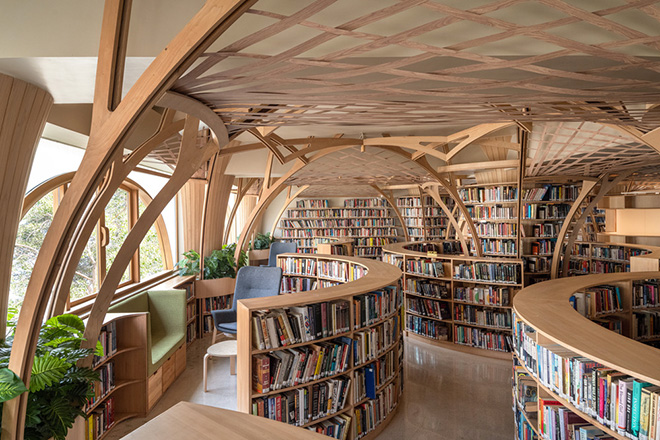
(448, 395)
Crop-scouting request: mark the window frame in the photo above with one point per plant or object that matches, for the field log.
(136, 194)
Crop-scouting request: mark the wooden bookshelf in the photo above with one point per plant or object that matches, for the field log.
(368, 221)
(605, 257)
(423, 217)
(356, 279)
(446, 307)
(335, 246)
(549, 331)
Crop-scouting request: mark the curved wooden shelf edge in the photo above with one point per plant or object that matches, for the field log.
(545, 307)
(378, 275)
(400, 248)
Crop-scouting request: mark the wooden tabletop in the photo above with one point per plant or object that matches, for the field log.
(200, 422)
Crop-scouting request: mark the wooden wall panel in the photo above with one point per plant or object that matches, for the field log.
(191, 207)
(23, 112)
(215, 206)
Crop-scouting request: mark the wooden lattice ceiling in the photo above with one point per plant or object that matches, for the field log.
(411, 62)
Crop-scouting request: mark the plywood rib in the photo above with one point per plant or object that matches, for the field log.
(23, 112)
(191, 201)
(499, 68)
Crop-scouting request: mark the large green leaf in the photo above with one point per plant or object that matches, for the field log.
(60, 416)
(10, 385)
(72, 355)
(46, 371)
(70, 320)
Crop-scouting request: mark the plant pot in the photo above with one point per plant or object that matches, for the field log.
(212, 288)
(258, 255)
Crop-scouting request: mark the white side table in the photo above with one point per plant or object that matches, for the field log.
(221, 349)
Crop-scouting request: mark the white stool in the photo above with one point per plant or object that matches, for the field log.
(221, 349)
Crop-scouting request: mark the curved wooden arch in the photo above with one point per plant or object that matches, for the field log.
(109, 132)
(121, 170)
(190, 160)
(605, 187)
(289, 198)
(433, 192)
(243, 187)
(392, 203)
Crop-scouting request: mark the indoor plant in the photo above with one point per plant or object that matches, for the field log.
(59, 388)
(259, 247)
(219, 277)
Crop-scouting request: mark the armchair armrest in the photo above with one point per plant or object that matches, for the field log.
(223, 316)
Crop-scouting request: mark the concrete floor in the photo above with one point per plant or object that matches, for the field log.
(448, 395)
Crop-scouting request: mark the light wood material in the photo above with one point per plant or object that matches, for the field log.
(243, 186)
(215, 206)
(23, 112)
(546, 308)
(392, 203)
(221, 349)
(191, 201)
(205, 422)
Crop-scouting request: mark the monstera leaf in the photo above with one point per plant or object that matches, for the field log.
(10, 385)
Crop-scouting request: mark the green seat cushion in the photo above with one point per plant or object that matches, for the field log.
(136, 303)
(162, 348)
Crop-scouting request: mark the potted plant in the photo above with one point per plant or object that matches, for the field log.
(220, 269)
(259, 248)
(59, 388)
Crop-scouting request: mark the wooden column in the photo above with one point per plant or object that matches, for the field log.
(191, 204)
(23, 112)
(215, 206)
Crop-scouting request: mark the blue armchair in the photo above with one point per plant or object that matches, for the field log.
(251, 282)
(280, 248)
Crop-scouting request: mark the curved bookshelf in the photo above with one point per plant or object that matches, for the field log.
(549, 331)
(444, 308)
(350, 374)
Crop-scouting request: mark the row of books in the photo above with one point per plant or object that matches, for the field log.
(297, 266)
(216, 303)
(368, 252)
(337, 213)
(191, 332)
(611, 252)
(304, 405)
(336, 427)
(371, 343)
(543, 247)
(103, 386)
(646, 325)
(291, 367)
(646, 294)
(374, 241)
(297, 284)
(545, 230)
(485, 296)
(371, 307)
(533, 211)
(432, 289)
(337, 223)
(426, 267)
(283, 327)
(108, 340)
(614, 399)
(393, 259)
(427, 327)
(497, 229)
(340, 232)
(480, 338)
(365, 203)
(370, 414)
(552, 193)
(412, 212)
(413, 222)
(499, 246)
(495, 212)
(427, 307)
(486, 195)
(191, 311)
(311, 203)
(486, 317)
(538, 264)
(436, 221)
(436, 211)
(100, 420)
(341, 271)
(494, 272)
(371, 377)
(408, 201)
(609, 267)
(416, 232)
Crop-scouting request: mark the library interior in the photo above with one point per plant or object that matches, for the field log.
(302, 219)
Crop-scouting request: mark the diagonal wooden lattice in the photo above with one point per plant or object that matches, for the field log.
(340, 191)
(414, 62)
(584, 148)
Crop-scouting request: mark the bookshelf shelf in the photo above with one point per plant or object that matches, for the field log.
(347, 300)
(549, 331)
(444, 288)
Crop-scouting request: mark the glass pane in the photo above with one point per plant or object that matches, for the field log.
(31, 233)
(151, 259)
(117, 222)
(86, 279)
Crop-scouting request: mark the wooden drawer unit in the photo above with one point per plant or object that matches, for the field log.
(180, 360)
(154, 388)
(169, 372)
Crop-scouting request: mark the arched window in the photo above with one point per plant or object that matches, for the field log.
(121, 213)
